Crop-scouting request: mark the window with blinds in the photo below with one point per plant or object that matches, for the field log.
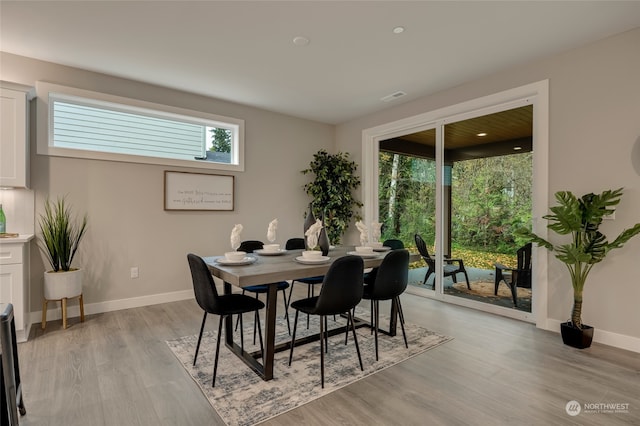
(89, 127)
(79, 126)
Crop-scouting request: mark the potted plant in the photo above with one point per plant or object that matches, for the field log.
(59, 240)
(581, 219)
(331, 191)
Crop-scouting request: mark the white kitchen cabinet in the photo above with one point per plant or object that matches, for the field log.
(14, 283)
(14, 134)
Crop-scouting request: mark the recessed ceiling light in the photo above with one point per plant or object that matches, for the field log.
(393, 96)
(481, 134)
(300, 41)
(517, 148)
(398, 30)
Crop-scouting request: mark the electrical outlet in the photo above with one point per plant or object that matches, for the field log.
(134, 272)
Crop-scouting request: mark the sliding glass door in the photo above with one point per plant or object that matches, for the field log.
(464, 185)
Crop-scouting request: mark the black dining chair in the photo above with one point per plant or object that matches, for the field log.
(341, 291)
(298, 244)
(250, 246)
(391, 281)
(393, 244)
(223, 305)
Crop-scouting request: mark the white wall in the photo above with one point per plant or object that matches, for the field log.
(124, 201)
(594, 123)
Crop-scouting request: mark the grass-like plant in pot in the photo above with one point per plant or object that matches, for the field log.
(580, 218)
(60, 236)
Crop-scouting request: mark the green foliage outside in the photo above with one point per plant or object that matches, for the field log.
(221, 140)
(491, 199)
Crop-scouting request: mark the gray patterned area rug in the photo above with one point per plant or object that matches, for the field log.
(242, 398)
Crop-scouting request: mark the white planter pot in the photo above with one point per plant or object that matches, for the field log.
(61, 285)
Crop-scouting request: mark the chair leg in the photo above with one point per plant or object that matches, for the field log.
(326, 335)
(239, 315)
(204, 320)
(497, 282)
(290, 293)
(286, 310)
(293, 336)
(322, 331)
(355, 338)
(426, 276)
(254, 323)
(514, 293)
(257, 320)
(466, 277)
(372, 313)
(375, 317)
(310, 293)
(215, 364)
(401, 314)
(241, 332)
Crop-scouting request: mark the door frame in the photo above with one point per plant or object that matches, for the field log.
(536, 94)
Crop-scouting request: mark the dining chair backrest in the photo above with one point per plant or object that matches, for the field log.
(203, 285)
(295, 244)
(393, 275)
(250, 246)
(393, 244)
(342, 287)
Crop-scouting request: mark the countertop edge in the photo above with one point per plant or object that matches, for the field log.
(22, 238)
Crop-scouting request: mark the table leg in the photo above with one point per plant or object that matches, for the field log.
(228, 321)
(270, 332)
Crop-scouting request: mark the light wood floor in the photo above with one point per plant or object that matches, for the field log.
(115, 369)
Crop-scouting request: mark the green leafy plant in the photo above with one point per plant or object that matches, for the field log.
(581, 218)
(60, 235)
(331, 190)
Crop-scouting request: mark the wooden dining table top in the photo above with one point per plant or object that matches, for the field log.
(274, 268)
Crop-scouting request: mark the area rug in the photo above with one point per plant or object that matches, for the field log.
(240, 397)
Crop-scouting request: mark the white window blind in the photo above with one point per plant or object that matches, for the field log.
(107, 129)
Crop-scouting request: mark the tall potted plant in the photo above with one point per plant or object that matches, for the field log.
(60, 237)
(331, 191)
(581, 219)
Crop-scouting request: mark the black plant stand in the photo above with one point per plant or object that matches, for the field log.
(11, 389)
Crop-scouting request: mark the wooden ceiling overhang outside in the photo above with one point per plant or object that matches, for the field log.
(507, 132)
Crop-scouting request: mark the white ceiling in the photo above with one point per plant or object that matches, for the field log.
(243, 51)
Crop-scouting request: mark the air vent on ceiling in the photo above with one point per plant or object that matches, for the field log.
(393, 96)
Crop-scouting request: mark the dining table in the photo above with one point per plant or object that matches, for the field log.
(270, 268)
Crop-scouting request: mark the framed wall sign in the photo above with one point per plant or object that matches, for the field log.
(197, 191)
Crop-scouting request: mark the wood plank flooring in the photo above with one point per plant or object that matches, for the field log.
(116, 369)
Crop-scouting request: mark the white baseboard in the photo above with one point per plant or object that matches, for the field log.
(620, 341)
(112, 305)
